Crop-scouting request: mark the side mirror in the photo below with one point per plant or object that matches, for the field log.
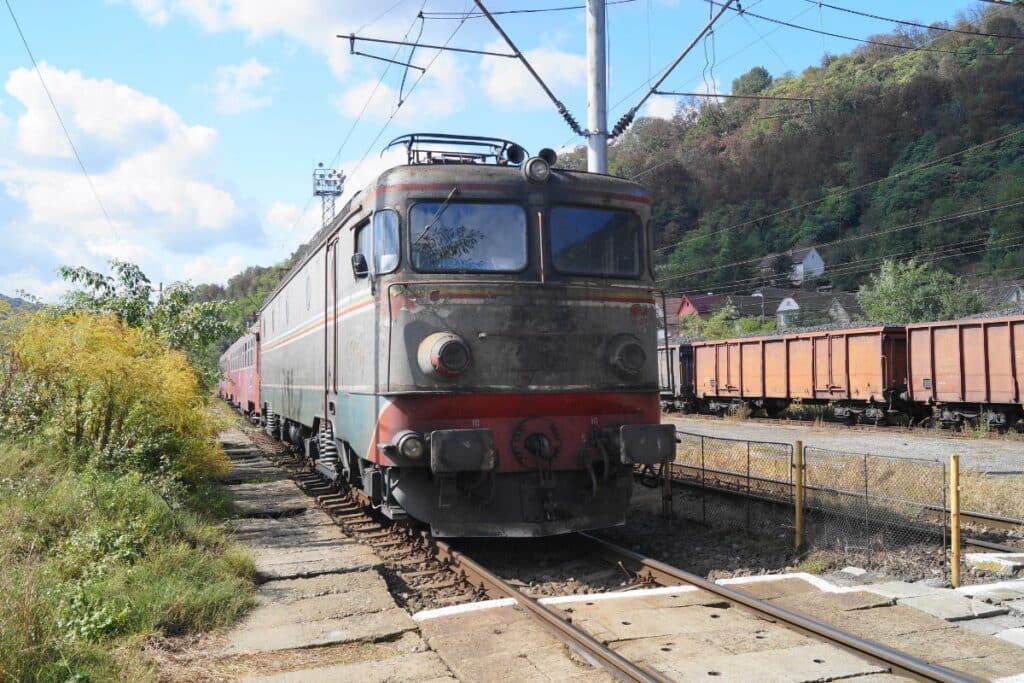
(359, 267)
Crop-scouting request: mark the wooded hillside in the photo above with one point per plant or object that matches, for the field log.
(894, 144)
(901, 151)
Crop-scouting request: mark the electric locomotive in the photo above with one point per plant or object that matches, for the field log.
(472, 342)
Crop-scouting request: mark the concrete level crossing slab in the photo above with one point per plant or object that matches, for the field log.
(422, 667)
(953, 607)
(502, 644)
(814, 662)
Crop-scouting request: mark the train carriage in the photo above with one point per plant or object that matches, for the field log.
(239, 365)
(472, 342)
(860, 372)
(968, 370)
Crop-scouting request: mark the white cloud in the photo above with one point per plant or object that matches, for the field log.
(213, 268)
(507, 83)
(661, 107)
(150, 168)
(30, 281)
(237, 87)
(314, 23)
(441, 93)
(147, 164)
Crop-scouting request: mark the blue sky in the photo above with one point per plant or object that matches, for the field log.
(200, 120)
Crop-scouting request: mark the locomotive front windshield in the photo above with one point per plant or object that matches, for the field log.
(601, 242)
(449, 237)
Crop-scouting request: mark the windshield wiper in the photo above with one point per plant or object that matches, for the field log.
(437, 215)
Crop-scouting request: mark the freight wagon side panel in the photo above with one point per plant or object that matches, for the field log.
(894, 356)
(1017, 331)
(1002, 384)
(975, 376)
(866, 365)
(728, 365)
(947, 357)
(750, 360)
(921, 382)
(705, 370)
(775, 371)
(800, 363)
(830, 380)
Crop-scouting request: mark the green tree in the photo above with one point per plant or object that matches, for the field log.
(177, 315)
(722, 324)
(916, 291)
(752, 82)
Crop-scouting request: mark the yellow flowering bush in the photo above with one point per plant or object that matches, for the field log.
(115, 394)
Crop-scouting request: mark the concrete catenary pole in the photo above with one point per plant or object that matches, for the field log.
(597, 97)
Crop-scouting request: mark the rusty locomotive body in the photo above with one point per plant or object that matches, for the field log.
(951, 373)
(472, 342)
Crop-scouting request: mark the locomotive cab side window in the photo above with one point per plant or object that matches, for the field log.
(385, 241)
(361, 257)
(597, 242)
(452, 237)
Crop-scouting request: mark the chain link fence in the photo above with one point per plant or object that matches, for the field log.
(887, 513)
(732, 483)
(878, 511)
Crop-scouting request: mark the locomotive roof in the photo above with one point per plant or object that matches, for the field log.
(612, 188)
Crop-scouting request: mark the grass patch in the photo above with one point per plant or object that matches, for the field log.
(815, 563)
(92, 562)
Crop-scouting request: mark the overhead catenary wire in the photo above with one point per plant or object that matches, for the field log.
(932, 27)
(939, 253)
(362, 111)
(813, 202)
(627, 118)
(647, 82)
(867, 41)
(963, 247)
(60, 120)
(533, 10)
(394, 112)
(877, 233)
(566, 116)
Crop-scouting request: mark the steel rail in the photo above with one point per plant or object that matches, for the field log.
(577, 639)
(667, 575)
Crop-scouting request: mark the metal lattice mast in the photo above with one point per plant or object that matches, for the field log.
(328, 184)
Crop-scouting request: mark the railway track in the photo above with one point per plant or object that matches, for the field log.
(431, 565)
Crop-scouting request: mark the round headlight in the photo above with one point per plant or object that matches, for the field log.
(411, 445)
(445, 354)
(627, 355)
(537, 170)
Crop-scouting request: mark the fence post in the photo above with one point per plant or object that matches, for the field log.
(666, 490)
(798, 493)
(954, 520)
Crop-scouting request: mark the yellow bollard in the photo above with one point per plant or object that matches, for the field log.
(798, 494)
(954, 520)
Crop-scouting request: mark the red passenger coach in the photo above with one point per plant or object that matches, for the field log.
(240, 374)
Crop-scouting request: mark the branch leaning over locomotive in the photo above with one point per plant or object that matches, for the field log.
(473, 344)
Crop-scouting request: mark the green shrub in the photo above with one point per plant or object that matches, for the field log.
(94, 560)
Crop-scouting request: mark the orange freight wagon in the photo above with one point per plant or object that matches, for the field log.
(968, 370)
(860, 371)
